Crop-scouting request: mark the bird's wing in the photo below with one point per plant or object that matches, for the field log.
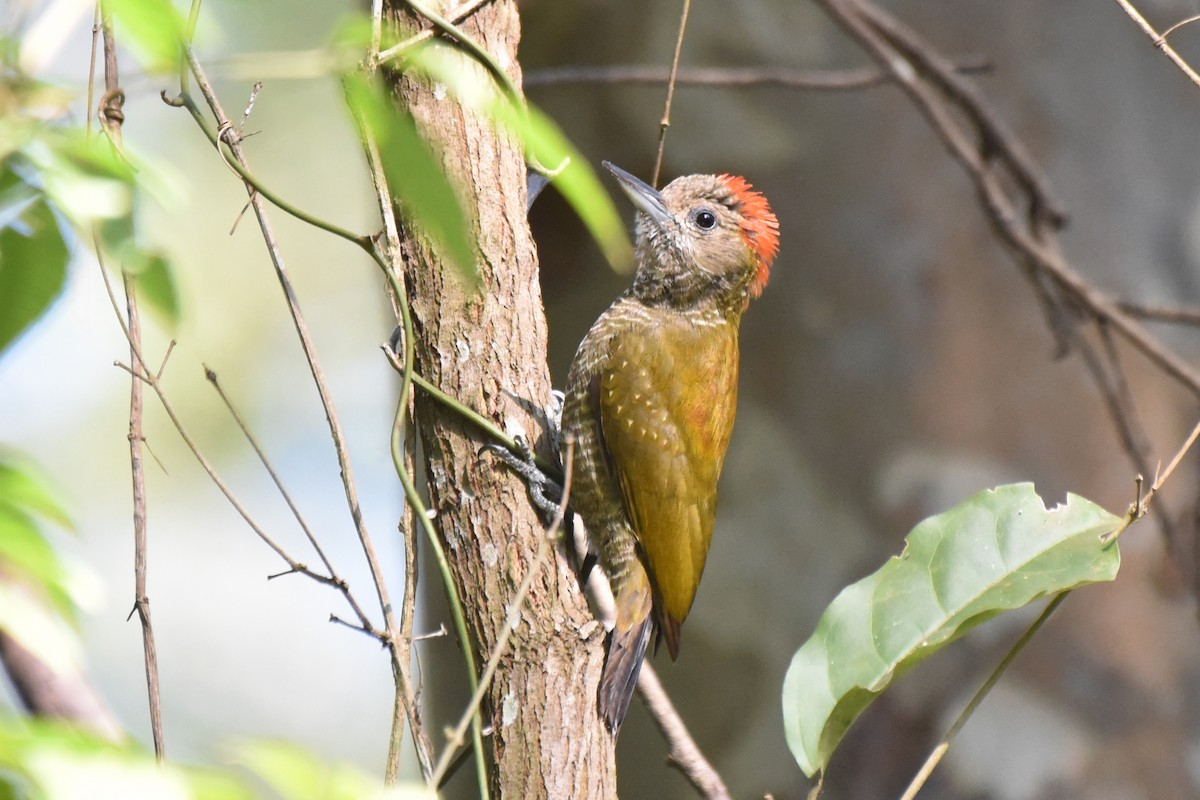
(666, 405)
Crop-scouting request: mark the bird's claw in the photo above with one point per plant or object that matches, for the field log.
(545, 493)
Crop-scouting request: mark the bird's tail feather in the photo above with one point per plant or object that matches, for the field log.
(626, 651)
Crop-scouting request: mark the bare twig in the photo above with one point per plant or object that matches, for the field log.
(336, 580)
(989, 153)
(726, 77)
(112, 118)
(1178, 25)
(455, 15)
(1183, 316)
(1160, 40)
(665, 122)
(1138, 509)
(155, 384)
(227, 134)
(935, 756)
(406, 699)
(683, 752)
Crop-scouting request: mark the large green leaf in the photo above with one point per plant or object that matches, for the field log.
(414, 175)
(999, 550)
(33, 257)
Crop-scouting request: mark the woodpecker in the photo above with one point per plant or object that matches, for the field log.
(650, 403)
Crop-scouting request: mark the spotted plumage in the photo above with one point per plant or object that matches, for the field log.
(650, 405)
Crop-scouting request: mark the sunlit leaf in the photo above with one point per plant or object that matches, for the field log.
(422, 189)
(153, 30)
(999, 550)
(577, 182)
(84, 180)
(544, 144)
(24, 486)
(33, 259)
(156, 286)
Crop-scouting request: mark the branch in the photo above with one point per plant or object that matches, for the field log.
(990, 153)
(727, 77)
(112, 118)
(333, 578)
(665, 122)
(1160, 40)
(233, 141)
(455, 16)
(683, 753)
(1183, 316)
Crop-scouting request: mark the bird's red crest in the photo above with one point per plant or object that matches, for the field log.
(760, 227)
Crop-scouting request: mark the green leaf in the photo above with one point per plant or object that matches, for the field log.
(542, 140)
(295, 774)
(156, 287)
(33, 266)
(422, 189)
(998, 551)
(95, 188)
(577, 182)
(153, 273)
(85, 180)
(25, 495)
(25, 487)
(153, 29)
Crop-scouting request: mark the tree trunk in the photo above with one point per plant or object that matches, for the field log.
(487, 347)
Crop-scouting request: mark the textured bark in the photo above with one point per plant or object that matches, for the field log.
(487, 347)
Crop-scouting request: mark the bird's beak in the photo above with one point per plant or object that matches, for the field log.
(645, 197)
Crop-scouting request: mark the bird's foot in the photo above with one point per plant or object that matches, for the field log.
(544, 491)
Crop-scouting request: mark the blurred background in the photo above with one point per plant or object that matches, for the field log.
(897, 363)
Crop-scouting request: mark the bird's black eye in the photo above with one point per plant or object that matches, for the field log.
(705, 220)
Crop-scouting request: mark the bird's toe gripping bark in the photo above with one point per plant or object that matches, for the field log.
(545, 492)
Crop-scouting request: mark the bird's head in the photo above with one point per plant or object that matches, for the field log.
(703, 237)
